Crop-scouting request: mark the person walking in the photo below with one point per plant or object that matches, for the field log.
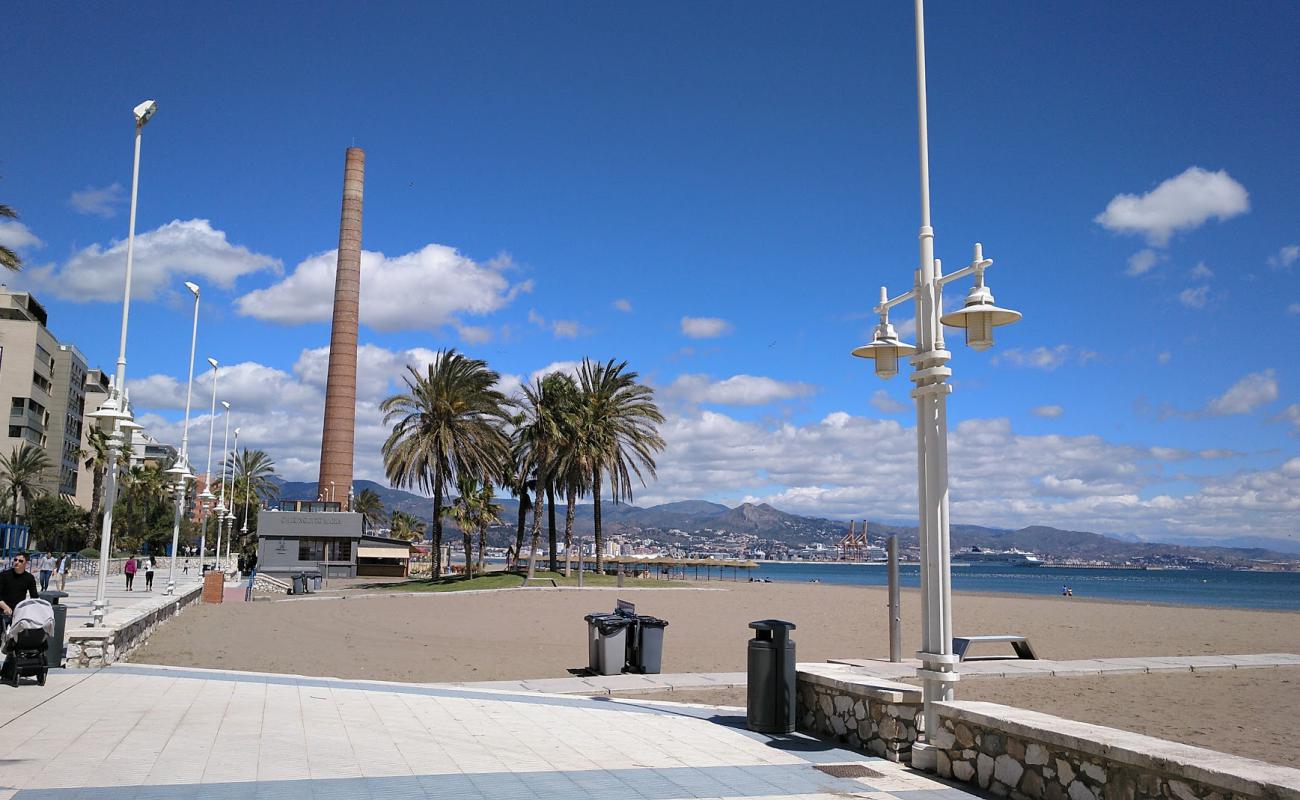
(65, 562)
(129, 570)
(45, 566)
(16, 584)
(148, 572)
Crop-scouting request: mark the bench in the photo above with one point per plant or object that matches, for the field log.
(1019, 643)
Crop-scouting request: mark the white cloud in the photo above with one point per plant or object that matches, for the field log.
(886, 404)
(102, 202)
(569, 368)
(705, 327)
(624, 305)
(1044, 358)
(1183, 202)
(1141, 262)
(1201, 272)
(17, 236)
(1246, 395)
(1050, 412)
(1291, 414)
(559, 328)
(178, 251)
(1194, 296)
(738, 390)
(1294, 308)
(423, 290)
(1164, 357)
(1285, 257)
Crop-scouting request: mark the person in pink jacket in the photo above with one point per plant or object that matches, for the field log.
(129, 571)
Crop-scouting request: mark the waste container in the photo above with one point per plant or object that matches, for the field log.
(316, 580)
(299, 583)
(648, 653)
(54, 655)
(771, 678)
(611, 644)
(593, 640)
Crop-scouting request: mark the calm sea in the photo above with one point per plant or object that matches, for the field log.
(1266, 590)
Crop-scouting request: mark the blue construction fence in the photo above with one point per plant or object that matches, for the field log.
(13, 538)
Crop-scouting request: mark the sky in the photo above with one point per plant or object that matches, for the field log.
(715, 192)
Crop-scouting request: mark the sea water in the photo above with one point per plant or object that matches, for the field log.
(1277, 591)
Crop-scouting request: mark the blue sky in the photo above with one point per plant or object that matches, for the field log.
(750, 166)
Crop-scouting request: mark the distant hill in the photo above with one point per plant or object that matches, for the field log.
(697, 519)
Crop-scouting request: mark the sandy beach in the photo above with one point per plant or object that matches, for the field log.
(535, 634)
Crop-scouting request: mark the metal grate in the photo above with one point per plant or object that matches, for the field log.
(848, 771)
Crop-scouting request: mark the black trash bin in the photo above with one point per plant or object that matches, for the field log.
(771, 678)
(299, 583)
(57, 649)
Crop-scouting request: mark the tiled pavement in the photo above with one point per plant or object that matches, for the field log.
(884, 670)
(133, 732)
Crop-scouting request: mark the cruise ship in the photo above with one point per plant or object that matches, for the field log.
(1006, 558)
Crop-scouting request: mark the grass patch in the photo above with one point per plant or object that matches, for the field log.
(513, 580)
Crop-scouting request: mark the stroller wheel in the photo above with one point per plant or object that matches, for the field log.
(40, 677)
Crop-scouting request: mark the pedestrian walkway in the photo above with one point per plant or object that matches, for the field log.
(122, 604)
(163, 733)
(885, 670)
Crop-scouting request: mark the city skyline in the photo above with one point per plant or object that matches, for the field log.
(718, 203)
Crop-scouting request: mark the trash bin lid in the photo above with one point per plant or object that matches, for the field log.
(772, 625)
(647, 621)
(597, 615)
(53, 595)
(612, 624)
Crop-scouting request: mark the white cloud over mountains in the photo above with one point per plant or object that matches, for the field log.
(840, 465)
(166, 256)
(423, 290)
(1183, 202)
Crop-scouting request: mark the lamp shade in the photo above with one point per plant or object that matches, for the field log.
(979, 317)
(885, 349)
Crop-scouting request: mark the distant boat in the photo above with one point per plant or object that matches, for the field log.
(1005, 558)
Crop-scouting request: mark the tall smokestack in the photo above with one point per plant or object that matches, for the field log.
(341, 387)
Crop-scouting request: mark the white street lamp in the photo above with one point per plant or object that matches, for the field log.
(180, 472)
(938, 670)
(221, 504)
(230, 514)
(248, 496)
(207, 496)
(114, 407)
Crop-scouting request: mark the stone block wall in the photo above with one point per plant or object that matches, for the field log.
(99, 647)
(1026, 755)
(867, 714)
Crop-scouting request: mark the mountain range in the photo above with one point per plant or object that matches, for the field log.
(690, 519)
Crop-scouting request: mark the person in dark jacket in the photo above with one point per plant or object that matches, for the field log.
(16, 585)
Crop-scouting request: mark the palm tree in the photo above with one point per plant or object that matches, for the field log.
(8, 258)
(515, 475)
(370, 507)
(21, 472)
(573, 471)
(402, 525)
(487, 514)
(548, 406)
(252, 481)
(97, 462)
(447, 424)
(620, 422)
(461, 512)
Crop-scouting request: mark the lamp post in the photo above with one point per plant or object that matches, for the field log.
(248, 497)
(114, 409)
(938, 670)
(221, 504)
(207, 496)
(181, 470)
(230, 513)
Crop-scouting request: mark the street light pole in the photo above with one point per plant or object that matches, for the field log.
(207, 495)
(938, 670)
(230, 515)
(181, 470)
(221, 504)
(114, 410)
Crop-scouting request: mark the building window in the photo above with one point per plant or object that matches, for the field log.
(324, 549)
(15, 432)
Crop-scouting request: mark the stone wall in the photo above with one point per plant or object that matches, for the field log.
(868, 714)
(99, 647)
(1027, 756)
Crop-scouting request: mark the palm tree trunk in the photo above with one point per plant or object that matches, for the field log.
(568, 531)
(467, 535)
(595, 513)
(519, 529)
(539, 508)
(437, 522)
(550, 514)
(97, 488)
(482, 546)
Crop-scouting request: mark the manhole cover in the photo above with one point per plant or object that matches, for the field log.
(848, 771)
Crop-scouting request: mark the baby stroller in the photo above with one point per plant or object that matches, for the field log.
(26, 641)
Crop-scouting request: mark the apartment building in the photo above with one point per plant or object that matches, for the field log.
(44, 384)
